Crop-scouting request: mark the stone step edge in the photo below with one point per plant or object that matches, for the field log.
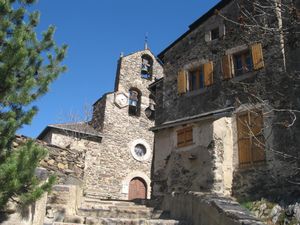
(115, 207)
(134, 219)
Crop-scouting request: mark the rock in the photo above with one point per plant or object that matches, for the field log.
(297, 211)
(61, 166)
(73, 219)
(275, 213)
(262, 209)
(51, 162)
(68, 171)
(15, 144)
(289, 210)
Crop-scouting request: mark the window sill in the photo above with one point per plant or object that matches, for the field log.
(196, 92)
(254, 165)
(242, 77)
(184, 147)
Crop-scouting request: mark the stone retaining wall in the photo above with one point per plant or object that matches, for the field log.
(207, 209)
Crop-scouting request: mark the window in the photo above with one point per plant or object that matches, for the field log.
(134, 102)
(140, 150)
(250, 138)
(146, 68)
(214, 34)
(194, 79)
(185, 137)
(243, 61)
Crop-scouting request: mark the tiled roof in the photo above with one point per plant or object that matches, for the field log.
(81, 127)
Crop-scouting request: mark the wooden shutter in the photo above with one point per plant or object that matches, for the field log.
(257, 56)
(189, 135)
(244, 143)
(180, 138)
(208, 73)
(185, 137)
(181, 82)
(258, 141)
(226, 67)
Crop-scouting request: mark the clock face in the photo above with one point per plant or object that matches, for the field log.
(121, 100)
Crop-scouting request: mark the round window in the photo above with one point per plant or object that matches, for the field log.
(140, 150)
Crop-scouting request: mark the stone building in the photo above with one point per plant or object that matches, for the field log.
(117, 143)
(209, 137)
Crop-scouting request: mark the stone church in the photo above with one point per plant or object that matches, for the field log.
(117, 143)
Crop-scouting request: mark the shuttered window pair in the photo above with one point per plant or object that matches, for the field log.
(250, 138)
(185, 137)
(246, 61)
(197, 78)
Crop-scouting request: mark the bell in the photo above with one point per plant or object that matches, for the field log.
(152, 106)
(133, 98)
(144, 69)
(149, 113)
(132, 103)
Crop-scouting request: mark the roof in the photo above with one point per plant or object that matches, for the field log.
(199, 117)
(195, 24)
(155, 82)
(81, 128)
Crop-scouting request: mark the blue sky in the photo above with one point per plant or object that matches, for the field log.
(97, 31)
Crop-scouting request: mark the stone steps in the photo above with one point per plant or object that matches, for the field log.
(123, 221)
(111, 212)
(116, 213)
(118, 221)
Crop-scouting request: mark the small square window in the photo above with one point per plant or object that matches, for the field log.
(215, 34)
(185, 137)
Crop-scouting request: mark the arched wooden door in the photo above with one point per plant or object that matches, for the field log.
(137, 189)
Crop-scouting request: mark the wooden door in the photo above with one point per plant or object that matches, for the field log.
(137, 189)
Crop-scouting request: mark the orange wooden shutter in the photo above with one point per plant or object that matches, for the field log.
(226, 67)
(181, 82)
(180, 138)
(189, 135)
(256, 121)
(244, 143)
(257, 56)
(208, 73)
(258, 148)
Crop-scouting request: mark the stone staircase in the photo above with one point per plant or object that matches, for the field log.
(95, 211)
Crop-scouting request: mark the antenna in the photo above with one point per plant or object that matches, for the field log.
(146, 40)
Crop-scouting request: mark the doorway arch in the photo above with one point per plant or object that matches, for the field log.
(137, 189)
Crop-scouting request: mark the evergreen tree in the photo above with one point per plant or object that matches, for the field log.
(27, 66)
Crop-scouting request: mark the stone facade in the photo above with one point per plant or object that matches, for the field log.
(110, 161)
(211, 162)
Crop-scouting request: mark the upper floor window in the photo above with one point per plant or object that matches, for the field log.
(215, 33)
(242, 62)
(147, 67)
(250, 137)
(134, 102)
(185, 137)
(196, 78)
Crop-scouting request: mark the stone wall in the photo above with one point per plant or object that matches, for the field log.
(203, 209)
(206, 165)
(193, 49)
